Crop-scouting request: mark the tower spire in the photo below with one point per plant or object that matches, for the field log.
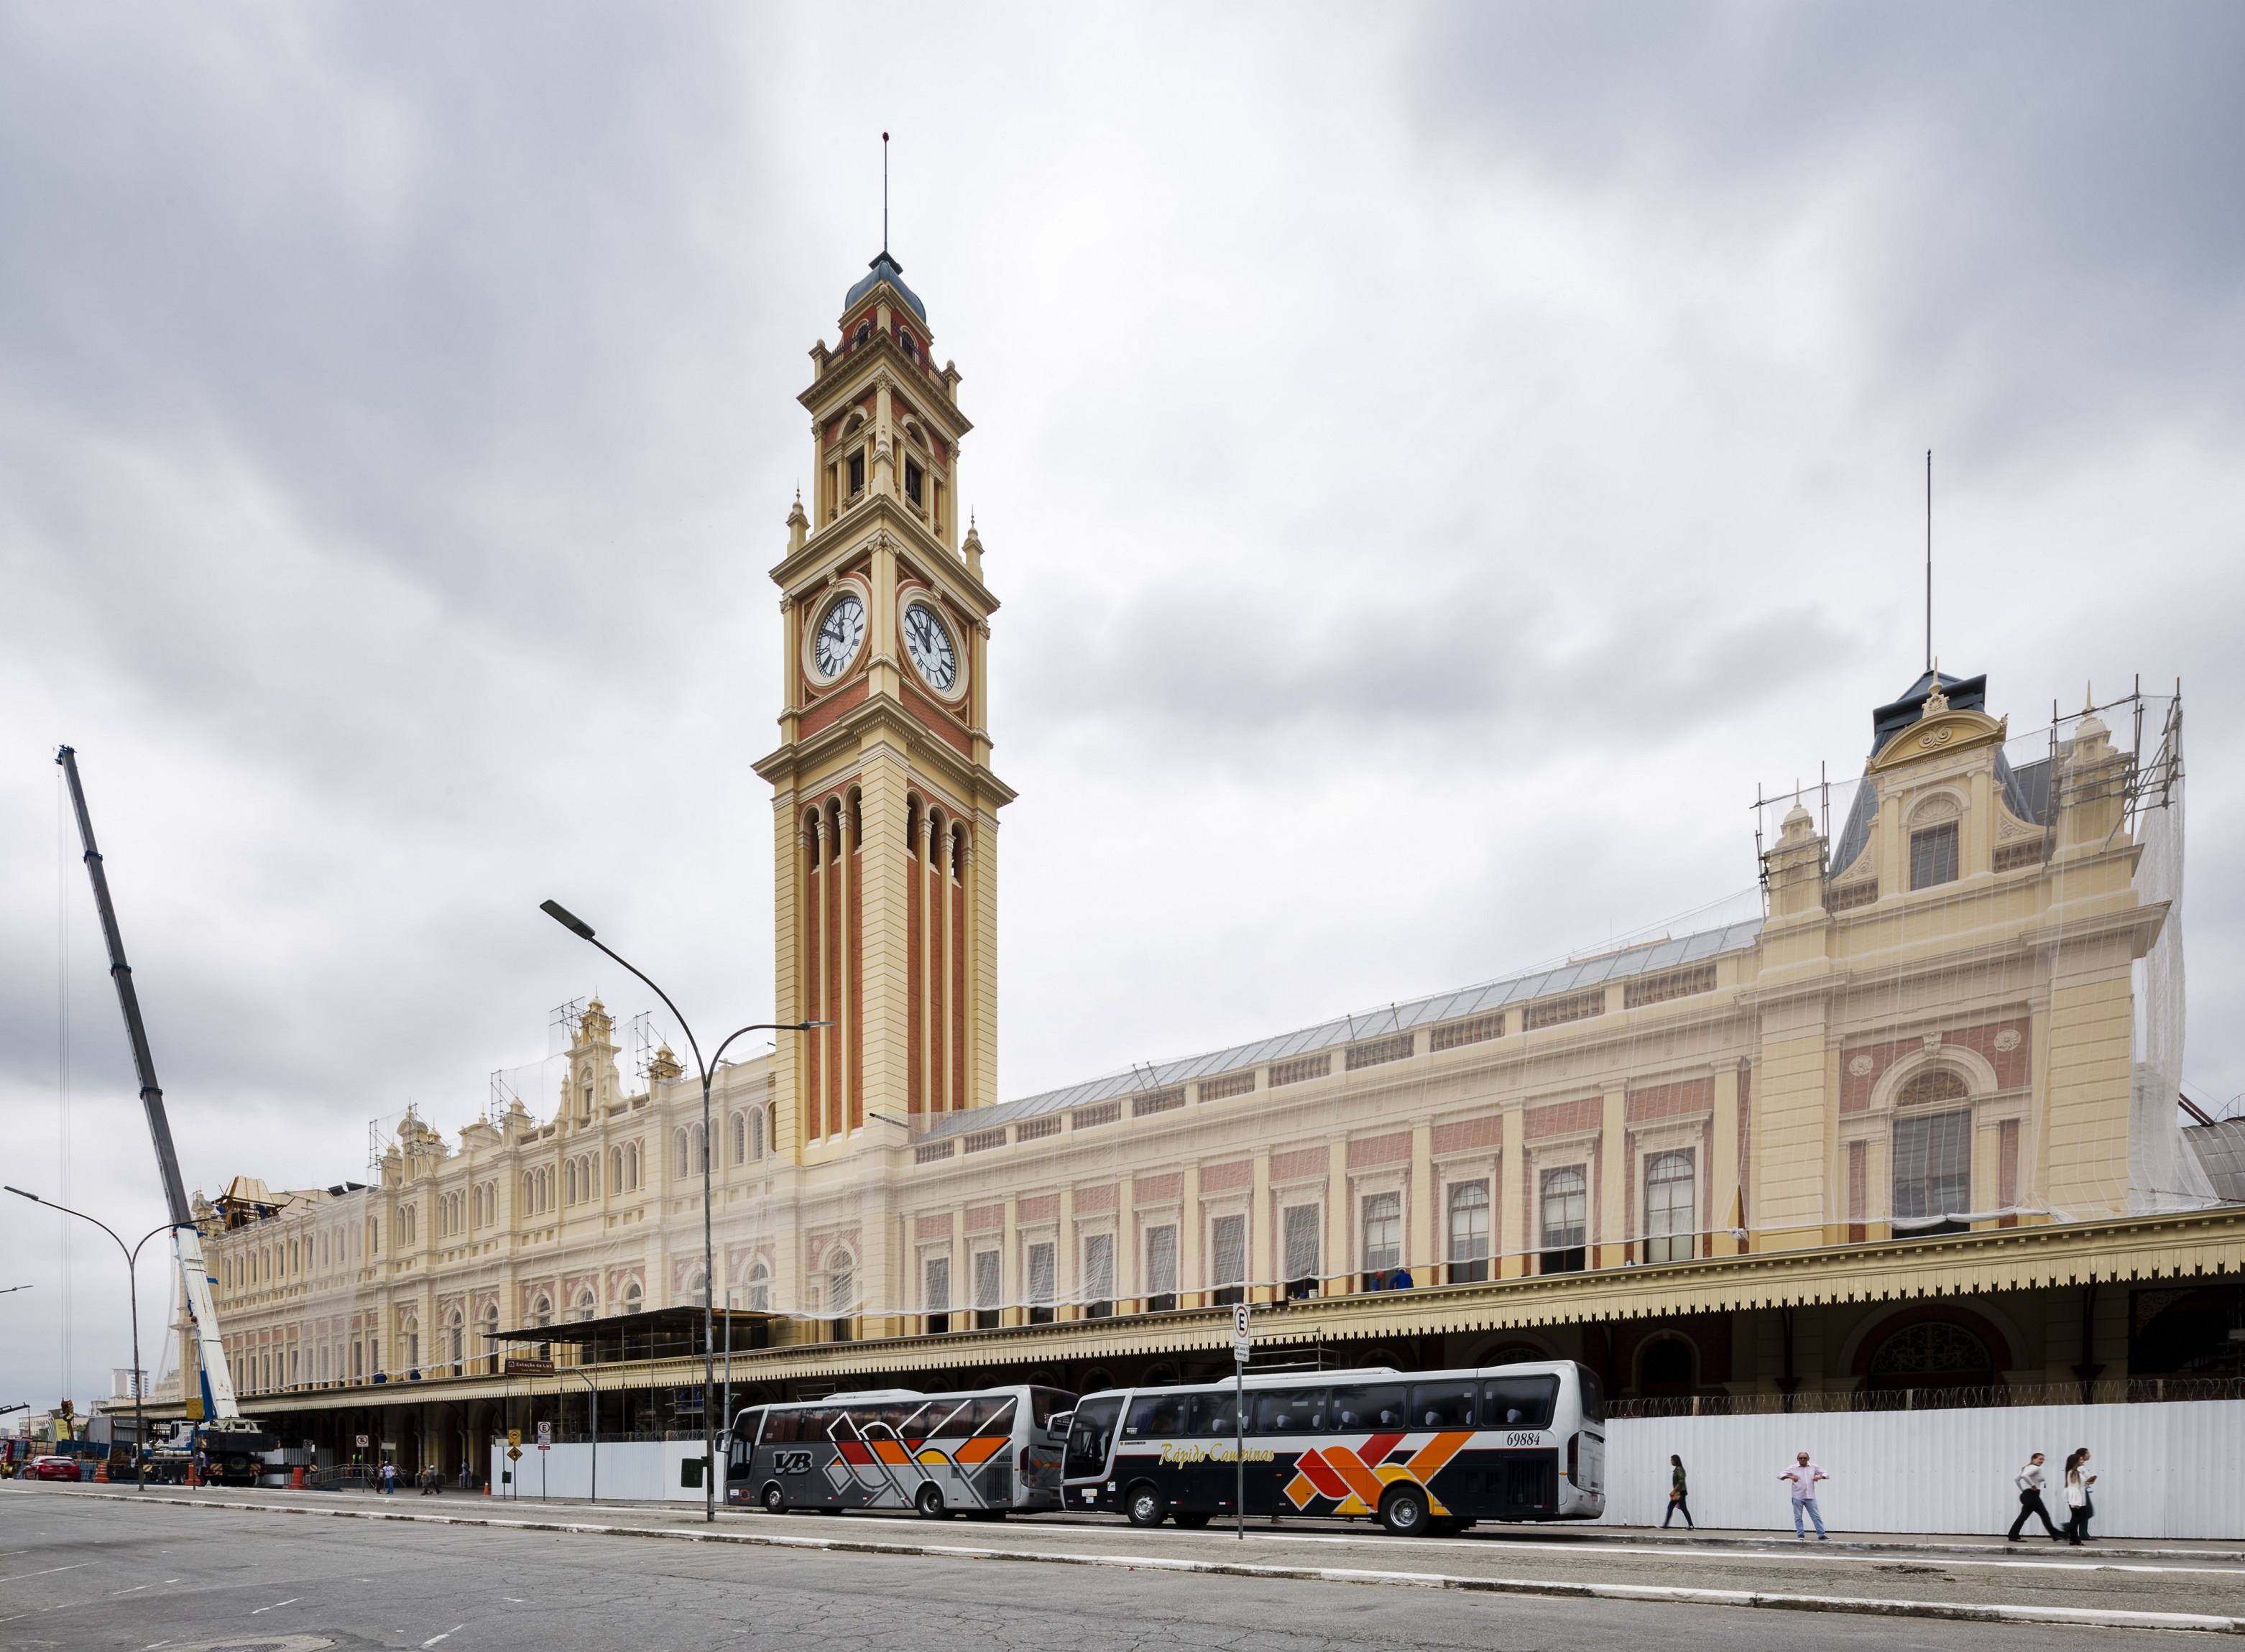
(884, 210)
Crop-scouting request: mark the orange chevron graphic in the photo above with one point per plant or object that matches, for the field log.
(1338, 1472)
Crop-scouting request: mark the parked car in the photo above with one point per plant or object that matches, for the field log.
(45, 1468)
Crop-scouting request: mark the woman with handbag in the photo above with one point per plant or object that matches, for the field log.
(1677, 1491)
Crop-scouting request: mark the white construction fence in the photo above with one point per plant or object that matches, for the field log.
(2164, 1470)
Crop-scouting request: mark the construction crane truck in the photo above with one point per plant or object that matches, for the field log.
(233, 1445)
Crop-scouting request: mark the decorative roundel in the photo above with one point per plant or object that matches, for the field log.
(2007, 1039)
(834, 642)
(928, 642)
(1860, 1065)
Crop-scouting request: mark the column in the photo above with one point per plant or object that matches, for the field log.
(1066, 1282)
(1720, 1201)
(1340, 1260)
(1423, 1258)
(814, 1086)
(1012, 1276)
(1263, 1261)
(1514, 1199)
(1191, 1282)
(1613, 1181)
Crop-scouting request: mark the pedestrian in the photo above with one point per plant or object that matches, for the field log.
(389, 1479)
(2030, 1481)
(2079, 1508)
(1804, 1475)
(1677, 1493)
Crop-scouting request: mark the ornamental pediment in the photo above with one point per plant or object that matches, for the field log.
(1941, 734)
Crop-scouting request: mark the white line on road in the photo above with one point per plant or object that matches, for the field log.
(73, 1566)
(277, 1605)
(135, 1589)
(446, 1635)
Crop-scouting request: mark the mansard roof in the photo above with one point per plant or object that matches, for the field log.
(1344, 1030)
(885, 268)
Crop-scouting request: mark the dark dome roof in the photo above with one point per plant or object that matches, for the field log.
(885, 268)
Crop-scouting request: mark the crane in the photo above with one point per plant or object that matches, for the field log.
(229, 1439)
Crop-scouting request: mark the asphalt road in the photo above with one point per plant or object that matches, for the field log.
(79, 1572)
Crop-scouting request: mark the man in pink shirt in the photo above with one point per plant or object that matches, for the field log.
(1804, 1475)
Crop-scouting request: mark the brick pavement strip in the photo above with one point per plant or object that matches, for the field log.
(1954, 1610)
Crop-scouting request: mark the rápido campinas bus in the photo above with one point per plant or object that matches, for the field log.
(981, 1454)
(1425, 1452)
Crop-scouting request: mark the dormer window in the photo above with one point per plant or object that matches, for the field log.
(1933, 856)
(914, 486)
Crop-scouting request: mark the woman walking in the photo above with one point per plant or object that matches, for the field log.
(1677, 1493)
(2079, 1479)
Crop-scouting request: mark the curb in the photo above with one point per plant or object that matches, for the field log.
(2065, 1616)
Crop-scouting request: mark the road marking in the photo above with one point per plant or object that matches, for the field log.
(277, 1605)
(73, 1566)
(135, 1589)
(446, 1635)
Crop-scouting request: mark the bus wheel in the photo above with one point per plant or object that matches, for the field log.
(1145, 1506)
(1191, 1522)
(929, 1504)
(775, 1499)
(1403, 1511)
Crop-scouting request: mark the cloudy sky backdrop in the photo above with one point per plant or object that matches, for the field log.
(1436, 463)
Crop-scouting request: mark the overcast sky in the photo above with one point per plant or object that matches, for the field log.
(1435, 463)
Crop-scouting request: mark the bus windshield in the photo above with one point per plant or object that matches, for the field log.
(1090, 1434)
(1594, 1397)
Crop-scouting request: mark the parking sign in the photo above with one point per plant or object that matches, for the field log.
(1239, 1339)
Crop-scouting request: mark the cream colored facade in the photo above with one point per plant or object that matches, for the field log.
(1945, 1022)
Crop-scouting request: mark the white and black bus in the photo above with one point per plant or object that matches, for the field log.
(1421, 1452)
(983, 1454)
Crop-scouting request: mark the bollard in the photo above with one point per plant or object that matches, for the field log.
(296, 1479)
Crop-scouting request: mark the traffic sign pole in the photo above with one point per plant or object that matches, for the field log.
(1240, 1346)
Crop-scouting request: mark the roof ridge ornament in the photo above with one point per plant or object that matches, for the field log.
(1936, 702)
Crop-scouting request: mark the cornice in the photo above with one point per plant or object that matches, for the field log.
(870, 719)
(860, 369)
(804, 571)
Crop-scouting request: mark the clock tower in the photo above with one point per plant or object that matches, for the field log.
(885, 810)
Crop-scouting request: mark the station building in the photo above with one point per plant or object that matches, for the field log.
(1913, 1126)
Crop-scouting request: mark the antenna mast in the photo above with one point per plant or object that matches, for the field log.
(885, 193)
(1928, 529)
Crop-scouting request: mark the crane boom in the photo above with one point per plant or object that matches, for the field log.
(218, 1404)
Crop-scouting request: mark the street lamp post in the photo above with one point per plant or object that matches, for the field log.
(583, 931)
(132, 1295)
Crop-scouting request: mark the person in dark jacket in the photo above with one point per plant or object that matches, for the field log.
(1678, 1492)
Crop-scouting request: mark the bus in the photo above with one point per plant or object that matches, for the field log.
(983, 1454)
(1423, 1453)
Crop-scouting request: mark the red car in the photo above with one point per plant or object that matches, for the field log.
(64, 1468)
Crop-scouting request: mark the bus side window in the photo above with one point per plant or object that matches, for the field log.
(1594, 1398)
(817, 1425)
(1213, 1412)
(779, 1428)
(994, 1415)
(1300, 1411)
(864, 1422)
(1442, 1405)
(1379, 1406)
(1521, 1402)
(1156, 1417)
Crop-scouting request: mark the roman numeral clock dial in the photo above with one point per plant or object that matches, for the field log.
(928, 642)
(840, 630)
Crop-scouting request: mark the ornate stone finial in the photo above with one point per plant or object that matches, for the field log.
(664, 1067)
(2088, 699)
(1798, 823)
(593, 1026)
(798, 525)
(1936, 702)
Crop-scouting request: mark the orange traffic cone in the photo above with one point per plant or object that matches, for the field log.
(194, 1478)
(101, 1472)
(296, 1479)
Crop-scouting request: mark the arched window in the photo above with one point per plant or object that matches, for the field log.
(1664, 1367)
(456, 1340)
(697, 1287)
(541, 1310)
(615, 1169)
(739, 1121)
(701, 1148)
(756, 1133)
(759, 1289)
(569, 1181)
(1669, 1220)
(678, 1148)
(1932, 1354)
(490, 1333)
(587, 1307)
(1934, 1084)
(634, 1298)
(631, 1165)
(842, 1282)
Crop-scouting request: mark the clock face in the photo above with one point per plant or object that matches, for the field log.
(840, 630)
(928, 642)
